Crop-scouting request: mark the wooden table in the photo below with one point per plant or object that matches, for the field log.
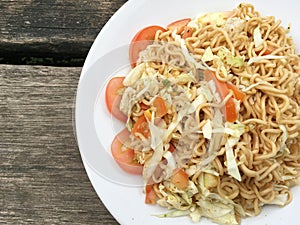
(43, 44)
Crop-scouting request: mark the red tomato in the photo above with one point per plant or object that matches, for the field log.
(150, 195)
(269, 50)
(125, 159)
(141, 126)
(172, 148)
(179, 25)
(187, 32)
(144, 106)
(113, 97)
(180, 179)
(229, 110)
(239, 95)
(140, 41)
(160, 106)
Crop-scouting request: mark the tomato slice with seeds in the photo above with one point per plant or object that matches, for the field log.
(113, 97)
(229, 109)
(150, 194)
(125, 156)
(141, 126)
(179, 25)
(140, 41)
(238, 94)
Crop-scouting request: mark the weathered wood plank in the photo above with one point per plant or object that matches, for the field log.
(42, 179)
(51, 28)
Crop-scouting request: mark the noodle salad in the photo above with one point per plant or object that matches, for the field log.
(211, 109)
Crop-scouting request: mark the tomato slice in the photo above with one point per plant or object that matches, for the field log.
(150, 194)
(180, 179)
(113, 97)
(269, 50)
(125, 158)
(160, 106)
(239, 95)
(172, 148)
(140, 41)
(141, 126)
(179, 25)
(229, 110)
(187, 32)
(144, 106)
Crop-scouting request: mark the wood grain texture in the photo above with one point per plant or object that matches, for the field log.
(42, 179)
(52, 28)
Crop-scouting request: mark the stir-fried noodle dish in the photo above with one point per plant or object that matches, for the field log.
(212, 116)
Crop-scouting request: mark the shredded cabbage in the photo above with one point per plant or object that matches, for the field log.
(217, 18)
(258, 41)
(298, 180)
(214, 92)
(207, 129)
(191, 170)
(260, 58)
(223, 57)
(235, 130)
(229, 59)
(184, 78)
(206, 92)
(134, 75)
(280, 199)
(185, 51)
(209, 170)
(208, 55)
(174, 213)
(193, 24)
(215, 207)
(157, 146)
(191, 189)
(171, 164)
(148, 83)
(196, 215)
(232, 167)
(283, 138)
(186, 194)
(178, 199)
(199, 100)
(210, 205)
(218, 212)
(235, 24)
(237, 104)
(216, 139)
(210, 181)
(185, 111)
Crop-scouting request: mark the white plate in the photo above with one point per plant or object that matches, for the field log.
(122, 193)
